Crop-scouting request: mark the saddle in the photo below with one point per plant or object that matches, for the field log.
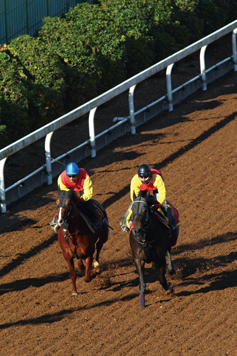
(100, 219)
(160, 215)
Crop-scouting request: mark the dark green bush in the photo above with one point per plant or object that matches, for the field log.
(91, 49)
(45, 79)
(14, 119)
(77, 40)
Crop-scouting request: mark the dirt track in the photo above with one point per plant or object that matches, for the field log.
(195, 148)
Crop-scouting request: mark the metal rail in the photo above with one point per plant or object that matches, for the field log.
(129, 123)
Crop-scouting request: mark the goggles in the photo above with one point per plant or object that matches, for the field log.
(72, 175)
(143, 175)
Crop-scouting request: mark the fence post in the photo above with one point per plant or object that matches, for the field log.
(234, 33)
(2, 187)
(169, 86)
(131, 109)
(92, 131)
(48, 157)
(203, 67)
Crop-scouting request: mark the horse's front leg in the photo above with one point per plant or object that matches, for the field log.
(73, 274)
(162, 268)
(142, 284)
(88, 261)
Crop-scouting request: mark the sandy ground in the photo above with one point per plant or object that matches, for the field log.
(195, 148)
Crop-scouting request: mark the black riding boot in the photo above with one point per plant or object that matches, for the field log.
(172, 221)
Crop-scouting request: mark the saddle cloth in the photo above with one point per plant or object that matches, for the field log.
(159, 214)
(93, 222)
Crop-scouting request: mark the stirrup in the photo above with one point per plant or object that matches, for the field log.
(124, 228)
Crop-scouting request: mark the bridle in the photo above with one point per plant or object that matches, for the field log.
(140, 213)
(68, 210)
(64, 223)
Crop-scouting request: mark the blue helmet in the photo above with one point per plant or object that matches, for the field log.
(72, 169)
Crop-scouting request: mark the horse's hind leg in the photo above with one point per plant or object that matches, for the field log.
(99, 245)
(173, 241)
(80, 265)
(171, 269)
(96, 264)
(88, 269)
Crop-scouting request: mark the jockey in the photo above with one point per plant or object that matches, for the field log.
(78, 178)
(148, 179)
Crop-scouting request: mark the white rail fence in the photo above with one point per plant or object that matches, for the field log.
(52, 168)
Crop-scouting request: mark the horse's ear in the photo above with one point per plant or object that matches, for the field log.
(147, 196)
(134, 196)
(71, 191)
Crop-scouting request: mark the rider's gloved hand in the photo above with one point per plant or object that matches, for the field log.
(152, 200)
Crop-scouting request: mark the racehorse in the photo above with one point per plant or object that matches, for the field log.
(77, 238)
(150, 241)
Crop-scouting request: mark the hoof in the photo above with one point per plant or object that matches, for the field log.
(167, 286)
(96, 264)
(96, 271)
(74, 293)
(171, 272)
(142, 300)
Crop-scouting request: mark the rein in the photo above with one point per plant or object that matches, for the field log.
(66, 238)
(142, 227)
(67, 221)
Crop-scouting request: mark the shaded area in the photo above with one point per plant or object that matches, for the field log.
(29, 254)
(218, 126)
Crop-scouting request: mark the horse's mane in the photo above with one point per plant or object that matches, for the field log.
(76, 197)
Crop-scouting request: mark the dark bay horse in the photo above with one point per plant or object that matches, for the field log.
(77, 239)
(150, 241)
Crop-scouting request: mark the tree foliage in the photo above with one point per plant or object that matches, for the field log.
(92, 48)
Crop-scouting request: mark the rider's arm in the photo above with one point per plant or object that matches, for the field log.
(159, 184)
(88, 189)
(134, 186)
(61, 186)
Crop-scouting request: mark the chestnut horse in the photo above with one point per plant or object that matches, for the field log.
(150, 241)
(77, 239)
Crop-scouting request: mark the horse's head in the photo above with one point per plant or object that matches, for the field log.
(140, 216)
(64, 206)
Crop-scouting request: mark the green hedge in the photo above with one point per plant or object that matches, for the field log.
(91, 49)
(45, 79)
(14, 119)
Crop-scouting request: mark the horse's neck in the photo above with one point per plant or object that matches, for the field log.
(74, 209)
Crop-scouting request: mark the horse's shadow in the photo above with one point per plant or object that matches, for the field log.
(222, 280)
(185, 274)
(23, 284)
